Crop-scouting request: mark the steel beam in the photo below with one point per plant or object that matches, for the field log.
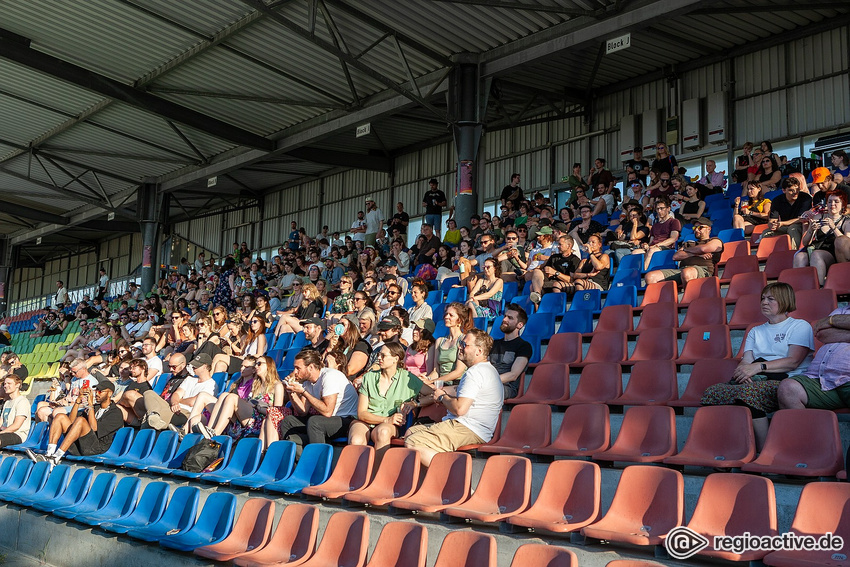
(527, 7)
(74, 74)
(344, 159)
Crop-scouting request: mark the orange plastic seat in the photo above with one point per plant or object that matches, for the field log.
(563, 348)
(655, 344)
(658, 315)
(661, 292)
(800, 278)
(632, 563)
(731, 504)
(710, 341)
(778, 261)
(543, 555)
(252, 530)
(651, 383)
(704, 311)
(747, 312)
(731, 250)
(397, 477)
(446, 484)
(705, 373)
(614, 318)
(401, 544)
(700, 287)
(606, 346)
(529, 427)
(293, 541)
(822, 508)
(352, 472)
(496, 434)
(773, 244)
(757, 230)
(801, 442)
(838, 278)
(649, 502)
(739, 265)
(599, 382)
(503, 491)
(750, 283)
(720, 437)
(467, 549)
(585, 429)
(814, 304)
(568, 500)
(647, 435)
(741, 350)
(345, 542)
(549, 382)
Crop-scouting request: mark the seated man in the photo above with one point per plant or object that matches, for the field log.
(175, 411)
(696, 259)
(472, 413)
(511, 354)
(554, 274)
(135, 401)
(88, 434)
(826, 384)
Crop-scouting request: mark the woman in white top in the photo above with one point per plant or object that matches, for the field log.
(16, 413)
(420, 309)
(253, 342)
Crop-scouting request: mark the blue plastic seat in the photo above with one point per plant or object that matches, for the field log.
(601, 218)
(220, 378)
(213, 524)
(536, 342)
(223, 453)
(314, 467)
(95, 499)
(712, 200)
(141, 448)
(662, 260)
(284, 341)
(277, 355)
(540, 324)
(448, 283)
(408, 301)
(480, 323)
(176, 459)
(627, 276)
(289, 359)
(731, 235)
(162, 452)
(509, 291)
(120, 445)
(19, 476)
(148, 510)
(120, 505)
(631, 262)
(524, 301)
(440, 329)
(244, 461)
(555, 303)
(580, 321)
(74, 493)
(298, 340)
(6, 468)
(622, 295)
(179, 515)
(734, 190)
(687, 234)
(496, 331)
(434, 297)
(456, 294)
(56, 483)
(775, 193)
(37, 433)
(38, 399)
(588, 300)
(438, 311)
(233, 378)
(160, 382)
(277, 465)
(34, 481)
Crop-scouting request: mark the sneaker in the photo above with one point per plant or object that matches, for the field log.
(155, 421)
(205, 431)
(34, 457)
(176, 430)
(53, 460)
(534, 297)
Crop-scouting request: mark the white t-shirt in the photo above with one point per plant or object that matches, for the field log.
(155, 362)
(14, 408)
(104, 279)
(332, 382)
(191, 387)
(361, 236)
(374, 218)
(481, 382)
(772, 341)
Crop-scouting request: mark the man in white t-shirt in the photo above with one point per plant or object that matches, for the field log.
(162, 414)
(472, 413)
(374, 221)
(325, 390)
(358, 228)
(154, 362)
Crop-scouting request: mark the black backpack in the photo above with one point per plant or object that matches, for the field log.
(201, 455)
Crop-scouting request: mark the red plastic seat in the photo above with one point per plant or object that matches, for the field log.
(446, 483)
(658, 315)
(543, 555)
(741, 350)
(750, 283)
(345, 542)
(529, 427)
(632, 563)
(822, 509)
(293, 541)
(705, 373)
(747, 312)
(838, 278)
(606, 346)
(651, 383)
(814, 304)
(731, 504)
(704, 311)
(496, 434)
(353, 471)
(568, 500)
(585, 429)
(800, 278)
(700, 287)
(757, 230)
(647, 435)
(655, 344)
(739, 265)
(549, 382)
(801, 442)
(711, 341)
(773, 244)
(618, 318)
(778, 261)
(649, 502)
(503, 491)
(660, 292)
(467, 549)
(252, 530)
(401, 544)
(720, 437)
(397, 477)
(563, 348)
(737, 249)
(599, 382)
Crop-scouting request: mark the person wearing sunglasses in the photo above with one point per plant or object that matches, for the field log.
(664, 161)
(252, 341)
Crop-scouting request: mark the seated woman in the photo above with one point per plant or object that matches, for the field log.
(311, 306)
(692, 205)
(594, 272)
(419, 357)
(420, 309)
(253, 342)
(385, 398)
(188, 343)
(773, 351)
(60, 387)
(355, 349)
(344, 302)
(486, 294)
(753, 210)
(447, 366)
(51, 325)
(819, 239)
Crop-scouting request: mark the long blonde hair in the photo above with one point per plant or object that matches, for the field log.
(265, 385)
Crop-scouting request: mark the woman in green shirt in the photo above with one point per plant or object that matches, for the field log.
(386, 397)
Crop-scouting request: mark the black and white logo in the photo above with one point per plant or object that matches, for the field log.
(683, 542)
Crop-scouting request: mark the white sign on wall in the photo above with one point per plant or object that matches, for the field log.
(363, 130)
(618, 43)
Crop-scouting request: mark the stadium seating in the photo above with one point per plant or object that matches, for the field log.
(657, 343)
(446, 484)
(599, 382)
(704, 373)
(214, 523)
(563, 348)
(663, 315)
(800, 278)
(176, 460)
(618, 318)
(711, 341)
(35, 491)
(698, 288)
(747, 312)
(661, 292)
(549, 555)
(223, 454)
(148, 510)
(647, 435)
(773, 244)
(503, 490)
(704, 311)
(814, 304)
(278, 462)
(585, 430)
(178, 518)
(400, 544)
(74, 492)
(396, 477)
(122, 503)
(26, 479)
(163, 451)
(720, 437)
(353, 471)
(838, 278)
(605, 346)
(467, 548)
(252, 530)
(95, 499)
(294, 540)
(529, 426)
(778, 261)
(651, 382)
(549, 383)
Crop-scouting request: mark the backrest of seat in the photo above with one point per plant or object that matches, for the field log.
(701, 287)
(253, 527)
(803, 434)
(705, 311)
(646, 495)
(354, 466)
(645, 429)
(800, 278)
(506, 480)
(563, 348)
(823, 508)
(398, 472)
(652, 381)
(814, 304)
(657, 343)
(246, 456)
(467, 548)
(400, 544)
(541, 554)
(600, 382)
(615, 318)
(708, 341)
(734, 503)
(182, 507)
(449, 475)
(736, 249)
(549, 381)
(659, 315)
(706, 373)
(345, 541)
(838, 278)
(216, 517)
(529, 426)
(607, 346)
(186, 443)
(661, 292)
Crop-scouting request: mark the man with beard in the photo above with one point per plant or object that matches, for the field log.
(511, 354)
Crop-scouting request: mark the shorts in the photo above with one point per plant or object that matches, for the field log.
(90, 444)
(442, 437)
(675, 275)
(820, 399)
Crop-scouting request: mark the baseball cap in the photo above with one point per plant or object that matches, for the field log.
(202, 359)
(4, 327)
(545, 230)
(104, 385)
(114, 317)
(702, 221)
(561, 226)
(388, 323)
(391, 262)
(312, 321)
(370, 199)
(137, 345)
(819, 175)
(426, 324)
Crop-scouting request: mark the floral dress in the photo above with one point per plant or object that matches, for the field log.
(344, 303)
(223, 295)
(489, 307)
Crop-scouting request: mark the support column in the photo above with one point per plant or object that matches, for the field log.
(6, 269)
(151, 216)
(467, 105)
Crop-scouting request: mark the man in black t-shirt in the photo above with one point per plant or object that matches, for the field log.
(434, 201)
(512, 192)
(429, 247)
(554, 274)
(400, 220)
(313, 333)
(790, 206)
(510, 355)
(639, 165)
